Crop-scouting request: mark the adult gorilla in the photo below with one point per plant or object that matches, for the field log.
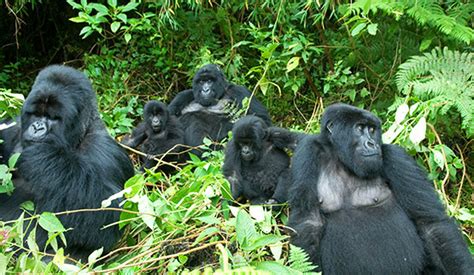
(362, 207)
(204, 110)
(68, 161)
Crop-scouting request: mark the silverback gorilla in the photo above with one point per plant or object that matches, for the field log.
(68, 161)
(204, 109)
(362, 207)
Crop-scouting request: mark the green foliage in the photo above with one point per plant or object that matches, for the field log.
(10, 103)
(450, 21)
(443, 77)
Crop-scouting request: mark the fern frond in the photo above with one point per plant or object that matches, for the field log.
(445, 76)
(299, 260)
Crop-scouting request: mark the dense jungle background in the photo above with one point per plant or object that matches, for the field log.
(409, 62)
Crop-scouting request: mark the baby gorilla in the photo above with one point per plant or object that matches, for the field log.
(256, 164)
(159, 133)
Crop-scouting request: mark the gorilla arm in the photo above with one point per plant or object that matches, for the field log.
(137, 137)
(181, 100)
(416, 195)
(305, 217)
(238, 93)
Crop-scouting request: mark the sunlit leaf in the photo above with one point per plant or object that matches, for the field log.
(418, 132)
(401, 113)
(292, 63)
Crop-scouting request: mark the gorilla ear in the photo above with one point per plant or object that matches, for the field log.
(329, 127)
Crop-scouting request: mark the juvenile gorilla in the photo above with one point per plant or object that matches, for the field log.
(204, 109)
(255, 163)
(68, 161)
(158, 134)
(362, 207)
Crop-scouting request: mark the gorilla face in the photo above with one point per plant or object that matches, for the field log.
(248, 135)
(209, 85)
(156, 116)
(356, 138)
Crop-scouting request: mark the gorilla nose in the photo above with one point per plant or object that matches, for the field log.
(371, 144)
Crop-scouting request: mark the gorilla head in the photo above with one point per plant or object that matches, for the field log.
(209, 85)
(249, 135)
(156, 116)
(356, 138)
(45, 116)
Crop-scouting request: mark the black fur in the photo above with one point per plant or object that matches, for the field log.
(255, 163)
(68, 161)
(369, 209)
(158, 134)
(203, 110)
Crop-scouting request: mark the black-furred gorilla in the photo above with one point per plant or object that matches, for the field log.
(68, 161)
(256, 164)
(362, 207)
(204, 109)
(158, 134)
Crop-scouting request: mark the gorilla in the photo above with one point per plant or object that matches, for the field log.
(159, 133)
(256, 164)
(68, 161)
(362, 207)
(205, 110)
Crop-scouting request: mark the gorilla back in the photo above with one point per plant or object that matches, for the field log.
(68, 161)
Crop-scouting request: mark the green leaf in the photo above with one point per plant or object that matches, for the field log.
(245, 228)
(372, 29)
(115, 26)
(292, 63)
(263, 241)
(77, 19)
(128, 37)
(99, 7)
(136, 184)
(123, 17)
(13, 159)
(274, 267)
(207, 232)
(130, 6)
(112, 3)
(358, 29)
(3, 263)
(49, 222)
(425, 44)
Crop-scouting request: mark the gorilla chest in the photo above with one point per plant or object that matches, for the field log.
(338, 190)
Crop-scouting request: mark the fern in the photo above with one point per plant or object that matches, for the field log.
(299, 260)
(426, 13)
(442, 76)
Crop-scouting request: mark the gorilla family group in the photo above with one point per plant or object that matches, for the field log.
(357, 206)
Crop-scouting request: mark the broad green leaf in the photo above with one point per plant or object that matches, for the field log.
(49, 222)
(263, 241)
(357, 29)
(128, 37)
(276, 249)
(245, 229)
(372, 29)
(292, 63)
(130, 6)
(115, 26)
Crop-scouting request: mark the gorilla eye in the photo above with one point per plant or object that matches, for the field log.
(360, 128)
(371, 129)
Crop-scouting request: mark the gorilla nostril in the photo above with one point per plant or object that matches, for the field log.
(370, 144)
